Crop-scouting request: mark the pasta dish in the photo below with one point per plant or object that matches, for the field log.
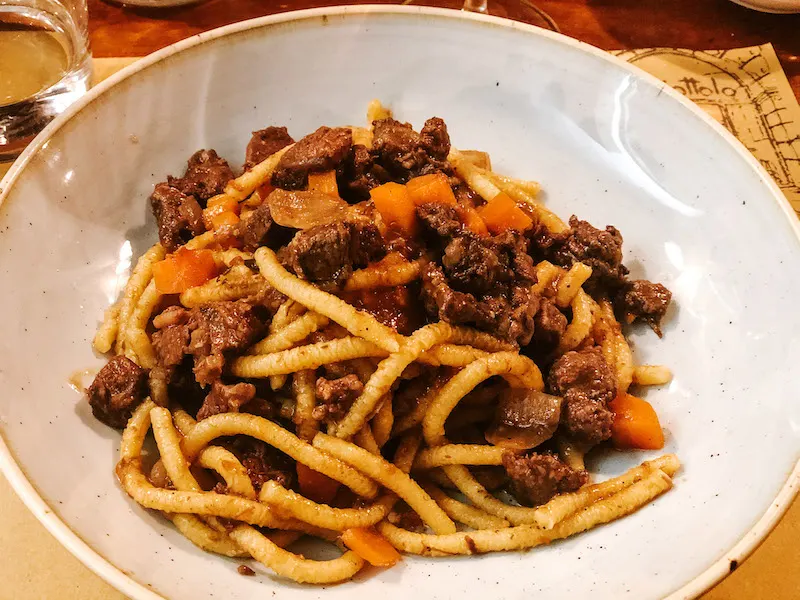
(372, 338)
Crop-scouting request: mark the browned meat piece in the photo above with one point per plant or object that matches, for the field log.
(263, 462)
(542, 241)
(171, 338)
(440, 219)
(473, 266)
(226, 398)
(536, 477)
(466, 197)
(327, 254)
(642, 299)
(360, 174)
(549, 324)
(321, 254)
(254, 227)
(265, 143)
(208, 333)
(179, 216)
(398, 146)
(367, 243)
(435, 138)
(338, 394)
(220, 328)
(404, 153)
(587, 384)
(601, 250)
(206, 176)
(509, 314)
(515, 248)
(479, 266)
(519, 323)
(324, 150)
(116, 391)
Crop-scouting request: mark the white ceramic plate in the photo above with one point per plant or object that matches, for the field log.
(608, 143)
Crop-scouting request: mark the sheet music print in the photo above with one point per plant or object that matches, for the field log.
(744, 89)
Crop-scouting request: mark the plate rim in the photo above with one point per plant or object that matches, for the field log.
(117, 577)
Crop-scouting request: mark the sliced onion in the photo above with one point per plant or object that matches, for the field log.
(304, 209)
(524, 419)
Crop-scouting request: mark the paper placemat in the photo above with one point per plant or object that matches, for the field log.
(744, 89)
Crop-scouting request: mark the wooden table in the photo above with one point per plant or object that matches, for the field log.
(608, 24)
(35, 566)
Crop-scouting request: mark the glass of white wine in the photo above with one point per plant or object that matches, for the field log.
(45, 65)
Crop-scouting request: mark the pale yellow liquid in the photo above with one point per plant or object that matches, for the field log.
(30, 61)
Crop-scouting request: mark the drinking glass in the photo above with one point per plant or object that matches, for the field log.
(45, 65)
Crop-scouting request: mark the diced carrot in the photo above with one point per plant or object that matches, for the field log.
(635, 424)
(324, 183)
(431, 188)
(502, 213)
(473, 220)
(395, 206)
(316, 486)
(184, 269)
(224, 218)
(371, 546)
(218, 206)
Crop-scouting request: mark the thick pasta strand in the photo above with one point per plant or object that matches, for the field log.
(357, 322)
(390, 476)
(137, 283)
(273, 434)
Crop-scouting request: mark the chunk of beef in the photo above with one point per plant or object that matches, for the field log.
(549, 324)
(404, 153)
(337, 395)
(209, 333)
(226, 398)
(397, 146)
(587, 384)
(367, 244)
(219, 328)
(206, 176)
(328, 253)
(435, 138)
(321, 254)
(116, 391)
(440, 219)
(473, 266)
(254, 227)
(643, 300)
(509, 314)
(514, 247)
(179, 216)
(536, 477)
(466, 197)
(360, 174)
(171, 338)
(601, 250)
(263, 462)
(324, 150)
(264, 143)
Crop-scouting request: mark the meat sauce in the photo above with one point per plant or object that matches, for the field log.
(400, 308)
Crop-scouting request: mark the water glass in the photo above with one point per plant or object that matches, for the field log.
(45, 65)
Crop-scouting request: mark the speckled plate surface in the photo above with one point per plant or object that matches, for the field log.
(608, 143)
